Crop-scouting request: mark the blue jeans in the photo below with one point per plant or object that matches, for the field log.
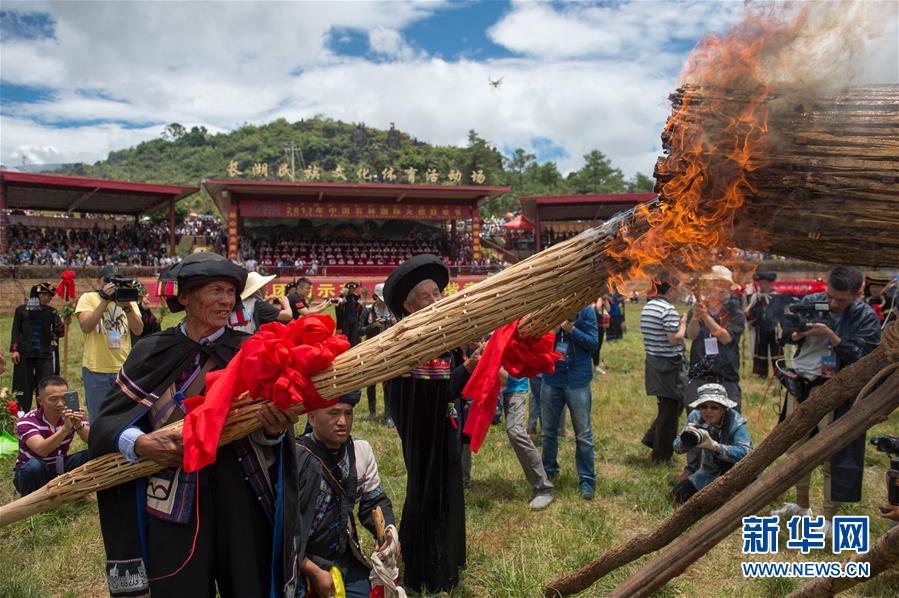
(35, 473)
(579, 401)
(534, 418)
(96, 387)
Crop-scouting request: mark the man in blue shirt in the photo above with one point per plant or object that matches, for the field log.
(569, 384)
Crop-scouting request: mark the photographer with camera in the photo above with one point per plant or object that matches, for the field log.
(715, 324)
(108, 316)
(832, 329)
(376, 318)
(298, 294)
(46, 434)
(348, 308)
(718, 431)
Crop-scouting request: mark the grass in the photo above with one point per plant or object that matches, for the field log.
(511, 551)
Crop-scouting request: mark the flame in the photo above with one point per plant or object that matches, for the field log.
(716, 136)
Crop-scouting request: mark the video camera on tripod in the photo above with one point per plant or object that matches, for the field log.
(890, 446)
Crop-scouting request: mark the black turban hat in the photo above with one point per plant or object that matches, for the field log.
(196, 270)
(407, 275)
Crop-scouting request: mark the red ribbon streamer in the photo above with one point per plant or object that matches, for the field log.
(523, 357)
(275, 364)
(66, 287)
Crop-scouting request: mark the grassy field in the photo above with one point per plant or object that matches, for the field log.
(511, 551)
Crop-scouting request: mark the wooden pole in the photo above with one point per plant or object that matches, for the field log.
(883, 556)
(867, 411)
(846, 384)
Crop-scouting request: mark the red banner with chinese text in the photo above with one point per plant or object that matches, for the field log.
(327, 287)
(352, 210)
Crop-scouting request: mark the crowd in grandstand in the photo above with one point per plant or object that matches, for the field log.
(142, 244)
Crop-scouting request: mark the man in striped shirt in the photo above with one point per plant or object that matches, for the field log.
(45, 436)
(665, 377)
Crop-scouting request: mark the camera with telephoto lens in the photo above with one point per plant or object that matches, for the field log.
(802, 315)
(125, 290)
(890, 446)
(704, 369)
(690, 437)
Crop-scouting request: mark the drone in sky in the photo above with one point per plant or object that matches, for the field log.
(495, 83)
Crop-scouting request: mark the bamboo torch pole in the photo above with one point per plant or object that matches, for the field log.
(551, 294)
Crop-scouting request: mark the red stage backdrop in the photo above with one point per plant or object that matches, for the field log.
(326, 287)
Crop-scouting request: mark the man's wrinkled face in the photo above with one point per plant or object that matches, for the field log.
(332, 425)
(210, 304)
(839, 300)
(424, 294)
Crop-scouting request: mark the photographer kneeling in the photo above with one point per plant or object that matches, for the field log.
(715, 427)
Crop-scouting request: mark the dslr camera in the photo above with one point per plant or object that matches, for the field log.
(890, 446)
(125, 290)
(690, 436)
(801, 316)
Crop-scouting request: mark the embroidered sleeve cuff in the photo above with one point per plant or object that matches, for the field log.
(259, 437)
(126, 443)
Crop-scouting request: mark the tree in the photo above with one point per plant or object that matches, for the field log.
(597, 176)
(640, 183)
(173, 132)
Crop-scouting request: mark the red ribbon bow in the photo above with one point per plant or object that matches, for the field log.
(523, 357)
(66, 287)
(275, 364)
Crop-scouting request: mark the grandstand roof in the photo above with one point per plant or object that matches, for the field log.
(29, 191)
(222, 190)
(591, 207)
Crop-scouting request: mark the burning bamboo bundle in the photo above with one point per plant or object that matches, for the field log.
(821, 184)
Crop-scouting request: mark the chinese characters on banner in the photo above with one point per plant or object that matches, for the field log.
(389, 174)
(351, 211)
(328, 288)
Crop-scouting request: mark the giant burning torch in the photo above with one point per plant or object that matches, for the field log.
(811, 175)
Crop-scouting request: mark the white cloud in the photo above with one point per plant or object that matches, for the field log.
(390, 43)
(41, 144)
(587, 77)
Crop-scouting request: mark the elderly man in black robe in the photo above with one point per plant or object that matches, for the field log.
(218, 530)
(426, 406)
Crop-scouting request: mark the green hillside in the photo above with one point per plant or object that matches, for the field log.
(332, 150)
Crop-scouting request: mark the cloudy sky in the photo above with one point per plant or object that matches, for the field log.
(82, 78)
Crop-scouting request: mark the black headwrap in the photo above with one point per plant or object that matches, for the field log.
(196, 270)
(408, 274)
